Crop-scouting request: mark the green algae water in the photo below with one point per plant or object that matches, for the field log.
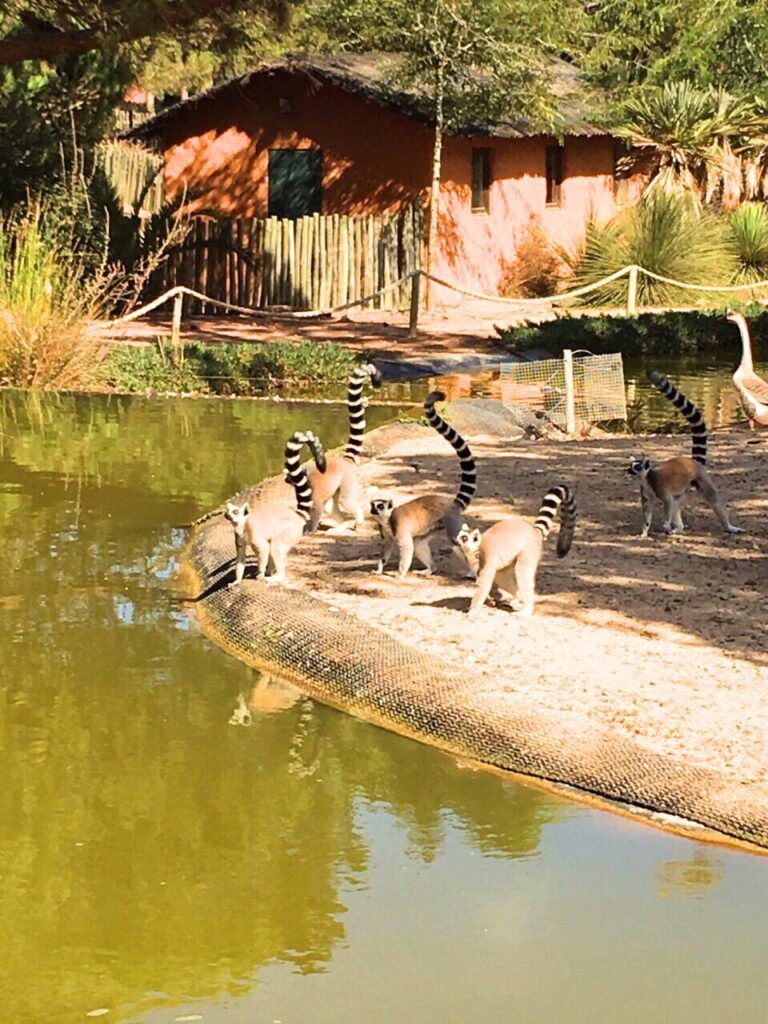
(159, 863)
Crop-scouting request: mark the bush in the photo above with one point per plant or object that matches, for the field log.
(666, 234)
(658, 333)
(536, 270)
(749, 227)
(227, 369)
(48, 294)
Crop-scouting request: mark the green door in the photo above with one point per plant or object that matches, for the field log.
(295, 182)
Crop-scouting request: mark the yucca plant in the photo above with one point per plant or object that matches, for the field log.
(698, 138)
(664, 233)
(749, 229)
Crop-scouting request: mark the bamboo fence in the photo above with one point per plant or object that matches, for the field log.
(313, 262)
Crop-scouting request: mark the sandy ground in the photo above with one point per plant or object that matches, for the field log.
(663, 639)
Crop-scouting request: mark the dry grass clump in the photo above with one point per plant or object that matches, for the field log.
(48, 294)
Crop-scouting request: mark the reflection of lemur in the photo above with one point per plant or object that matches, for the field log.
(671, 480)
(507, 555)
(410, 526)
(273, 530)
(338, 490)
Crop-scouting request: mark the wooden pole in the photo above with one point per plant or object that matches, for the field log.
(413, 325)
(632, 291)
(176, 346)
(570, 397)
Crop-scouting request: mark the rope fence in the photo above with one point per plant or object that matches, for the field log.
(632, 272)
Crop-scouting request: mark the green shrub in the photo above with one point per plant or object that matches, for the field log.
(666, 234)
(659, 333)
(749, 227)
(228, 369)
(49, 291)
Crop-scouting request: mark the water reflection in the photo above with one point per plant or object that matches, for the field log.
(147, 845)
(156, 856)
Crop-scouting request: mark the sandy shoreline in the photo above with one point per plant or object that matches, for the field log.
(663, 640)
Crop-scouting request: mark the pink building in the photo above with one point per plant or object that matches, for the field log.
(327, 135)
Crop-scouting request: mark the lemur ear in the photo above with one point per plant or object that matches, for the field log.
(475, 536)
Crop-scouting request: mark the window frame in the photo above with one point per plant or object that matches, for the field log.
(554, 176)
(319, 157)
(481, 155)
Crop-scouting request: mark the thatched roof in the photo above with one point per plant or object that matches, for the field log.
(370, 75)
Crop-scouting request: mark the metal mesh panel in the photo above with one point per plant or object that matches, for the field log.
(341, 660)
(598, 388)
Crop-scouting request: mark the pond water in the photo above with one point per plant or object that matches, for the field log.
(160, 864)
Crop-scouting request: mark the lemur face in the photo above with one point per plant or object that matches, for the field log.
(237, 514)
(468, 540)
(639, 467)
(374, 374)
(381, 509)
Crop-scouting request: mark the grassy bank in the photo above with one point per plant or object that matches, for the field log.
(225, 369)
(649, 333)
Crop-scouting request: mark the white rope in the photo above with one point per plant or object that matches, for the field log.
(315, 313)
(584, 290)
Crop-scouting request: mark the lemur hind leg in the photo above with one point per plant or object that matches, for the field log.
(423, 552)
(279, 552)
(506, 586)
(671, 514)
(348, 501)
(405, 542)
(711, 495)
(525, 574)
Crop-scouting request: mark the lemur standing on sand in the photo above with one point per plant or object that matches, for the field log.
(272, 531)
(338, 490)
(410, 526)
(671, 480)
(506, 557)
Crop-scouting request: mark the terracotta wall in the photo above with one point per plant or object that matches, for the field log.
(374, 159)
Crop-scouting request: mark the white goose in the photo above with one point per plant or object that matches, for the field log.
(752, 390)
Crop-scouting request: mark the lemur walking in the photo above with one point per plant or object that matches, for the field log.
(506, 557)
(410, 527)
(272, 531)
(671, 480)
(338, 490)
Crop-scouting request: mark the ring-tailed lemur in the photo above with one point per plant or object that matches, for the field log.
(671, 480)
(273, 530)
(410, 526)
(506, 557)
(338, 490)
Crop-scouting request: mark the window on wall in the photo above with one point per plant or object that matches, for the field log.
(295, 182)
(481, 180)
(554, 172)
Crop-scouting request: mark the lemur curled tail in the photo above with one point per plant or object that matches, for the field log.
(409, 527)
(272, 531)
(506, 557)
(672, 480)
(699, 433)
(338, 490)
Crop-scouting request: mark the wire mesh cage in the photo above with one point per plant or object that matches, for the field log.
(573, 392)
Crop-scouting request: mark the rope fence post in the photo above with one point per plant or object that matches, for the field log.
(632, 291)
(176, 346)
(413, 322)
(570, 397)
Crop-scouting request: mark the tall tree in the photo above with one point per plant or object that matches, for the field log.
(722, 43)
(469, 62)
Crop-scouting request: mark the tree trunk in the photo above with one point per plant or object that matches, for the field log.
(434, 192)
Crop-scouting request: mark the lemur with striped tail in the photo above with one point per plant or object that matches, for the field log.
(671, 481)
(338, 491)
(272, 531)
(410, 527)
(506, 557)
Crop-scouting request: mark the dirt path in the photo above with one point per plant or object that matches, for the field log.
(663, 639)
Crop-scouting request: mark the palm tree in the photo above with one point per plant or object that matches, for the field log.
(701, 139)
